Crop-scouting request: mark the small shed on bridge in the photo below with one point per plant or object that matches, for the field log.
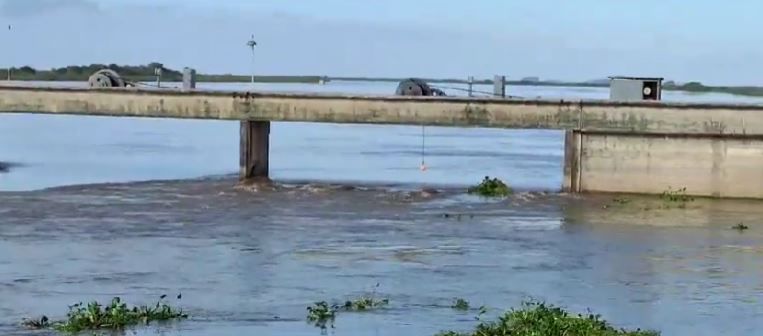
(623, 88)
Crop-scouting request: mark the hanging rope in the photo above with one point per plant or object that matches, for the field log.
(423, 166)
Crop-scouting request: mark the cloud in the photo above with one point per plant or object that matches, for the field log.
(24, 8)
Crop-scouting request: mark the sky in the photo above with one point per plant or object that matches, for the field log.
(715, 42)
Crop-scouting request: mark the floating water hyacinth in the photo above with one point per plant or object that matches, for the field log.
(535, 319)
(114, 316)
(491, 188)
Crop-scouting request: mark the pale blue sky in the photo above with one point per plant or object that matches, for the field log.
(711, 41)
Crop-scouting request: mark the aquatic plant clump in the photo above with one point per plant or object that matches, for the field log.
(535, 319)
(115, 316)
(321, 314)
(364, 303)
(677, 196)
(460, 304)
(491, 188)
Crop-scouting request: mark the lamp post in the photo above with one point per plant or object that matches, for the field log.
(9, 42)
(252, 43)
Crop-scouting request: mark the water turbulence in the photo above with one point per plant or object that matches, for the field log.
(251, 261)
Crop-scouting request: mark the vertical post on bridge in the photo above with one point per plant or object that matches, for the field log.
(189, 78)
(254, 150)
(499, 86)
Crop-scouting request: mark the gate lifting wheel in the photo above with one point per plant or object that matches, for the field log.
(106, 78)
(417, 87)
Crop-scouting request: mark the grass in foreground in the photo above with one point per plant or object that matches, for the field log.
(114, 316)
(539, 319)
(491, 188)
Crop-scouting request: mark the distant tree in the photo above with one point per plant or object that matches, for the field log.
(74, 69)
(693, 86)
(28, 69)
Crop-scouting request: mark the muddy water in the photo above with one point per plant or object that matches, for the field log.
(248, 261)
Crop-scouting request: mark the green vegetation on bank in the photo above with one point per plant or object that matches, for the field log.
(114, 316)
(535, 319)
(141, 73)
(145, 73)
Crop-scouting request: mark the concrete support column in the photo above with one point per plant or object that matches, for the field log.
(254, 150)
(573, 148)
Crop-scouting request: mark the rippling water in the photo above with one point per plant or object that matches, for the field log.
(248, 261)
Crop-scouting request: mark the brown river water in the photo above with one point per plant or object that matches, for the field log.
(249, 260)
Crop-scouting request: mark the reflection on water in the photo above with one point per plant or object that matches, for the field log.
(241, 258)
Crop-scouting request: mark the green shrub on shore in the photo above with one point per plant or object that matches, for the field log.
(539, 319)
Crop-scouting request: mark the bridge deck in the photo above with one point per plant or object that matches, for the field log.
(638, 117)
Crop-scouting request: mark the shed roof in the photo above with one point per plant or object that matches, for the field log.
(637, 78)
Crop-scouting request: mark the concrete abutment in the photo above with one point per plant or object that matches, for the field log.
(710, 165)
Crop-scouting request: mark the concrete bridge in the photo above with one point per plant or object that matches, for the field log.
(632, 147)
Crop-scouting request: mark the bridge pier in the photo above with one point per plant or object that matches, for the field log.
(254, 150)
